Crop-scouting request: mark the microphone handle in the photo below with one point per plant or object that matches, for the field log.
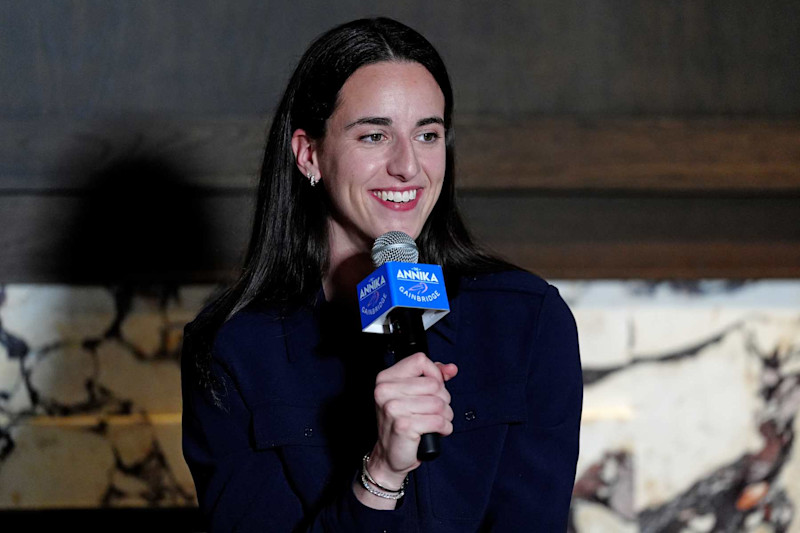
(410, 338)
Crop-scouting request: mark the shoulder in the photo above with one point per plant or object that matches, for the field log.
(514, 299)
(248, 330)
(509, 291)
(249, 320)
(256, 347)
(511, 281)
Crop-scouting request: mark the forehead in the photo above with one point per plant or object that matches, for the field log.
(390, 87)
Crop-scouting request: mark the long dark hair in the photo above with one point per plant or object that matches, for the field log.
(288, 250)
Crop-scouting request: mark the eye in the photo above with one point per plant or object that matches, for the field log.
(428, 136)
(373, 137)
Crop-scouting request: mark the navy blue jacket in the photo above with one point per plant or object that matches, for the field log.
(298, 414)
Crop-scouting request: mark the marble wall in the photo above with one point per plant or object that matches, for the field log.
(90, 396)
(691, 395)
(689, 413)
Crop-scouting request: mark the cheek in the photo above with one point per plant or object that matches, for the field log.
(345, 180)
(436, 169)
(351, 170)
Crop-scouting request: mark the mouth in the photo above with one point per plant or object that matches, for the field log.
(398, 200)
(396, 197)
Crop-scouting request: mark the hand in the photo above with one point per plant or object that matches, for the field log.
(411, 400)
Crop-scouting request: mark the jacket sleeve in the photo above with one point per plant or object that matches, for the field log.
(241, 488)
(533, 484)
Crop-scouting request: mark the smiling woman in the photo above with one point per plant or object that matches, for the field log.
(294, 419)
(382, 159)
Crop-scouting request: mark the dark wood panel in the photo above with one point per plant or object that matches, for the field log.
(719, 155)
(54, 238)
(48, 155)
(78, 59)
(81, 240)
(564, 219)
(710, 155)
(641, 237)
(643, 260)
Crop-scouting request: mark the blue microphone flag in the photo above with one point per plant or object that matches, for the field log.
(395, 284)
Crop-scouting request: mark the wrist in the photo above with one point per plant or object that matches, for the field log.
(370, 500)
(371, 483)
(382, 473)
(374, 494)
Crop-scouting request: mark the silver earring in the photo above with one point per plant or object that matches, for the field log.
(312, 179)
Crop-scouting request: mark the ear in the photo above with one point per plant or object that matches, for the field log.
(306, 151)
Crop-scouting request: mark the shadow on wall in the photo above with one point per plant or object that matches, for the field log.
(139, 214)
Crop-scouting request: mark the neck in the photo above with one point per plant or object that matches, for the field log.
(347, 268)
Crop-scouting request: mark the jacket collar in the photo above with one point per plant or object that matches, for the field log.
(447, 327)
(301, 328)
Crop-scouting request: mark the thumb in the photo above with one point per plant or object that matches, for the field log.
(448, 370)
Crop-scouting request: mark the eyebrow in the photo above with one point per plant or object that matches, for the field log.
(384, 121)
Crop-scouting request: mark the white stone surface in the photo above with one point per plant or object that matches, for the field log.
(594, 518)
(169, 436)
(43, 314)
(55, 467)
(789, 478)
(691, 416)
(65, 461)
(152, 386)
(61, 375)
(604, 336)
(10, 375)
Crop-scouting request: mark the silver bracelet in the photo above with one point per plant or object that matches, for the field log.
(379, 490)
(372, 490)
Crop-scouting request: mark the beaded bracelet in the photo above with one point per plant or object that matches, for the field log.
(367, 481)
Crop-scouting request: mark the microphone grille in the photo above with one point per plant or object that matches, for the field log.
(394, 246)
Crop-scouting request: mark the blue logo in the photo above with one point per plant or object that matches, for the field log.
(419, 288)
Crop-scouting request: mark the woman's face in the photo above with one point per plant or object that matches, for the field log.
(382, 160)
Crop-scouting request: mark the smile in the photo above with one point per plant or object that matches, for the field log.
(396, 196)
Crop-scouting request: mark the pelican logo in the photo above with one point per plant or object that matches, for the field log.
(374, 299)
(419, 288)
(369, 288)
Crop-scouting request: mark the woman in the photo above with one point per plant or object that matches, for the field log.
(293, 419)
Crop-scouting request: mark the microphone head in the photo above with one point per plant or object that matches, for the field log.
(394, 246)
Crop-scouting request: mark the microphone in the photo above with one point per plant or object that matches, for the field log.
(403, 298)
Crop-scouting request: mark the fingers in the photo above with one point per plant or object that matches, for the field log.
(413, 427)
(420, 386)
(448, 370)
(412, 366)
(413, 376)
(419, 405)
(411, 416)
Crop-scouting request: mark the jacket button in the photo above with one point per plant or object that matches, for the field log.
(470, 415)
(308, 432)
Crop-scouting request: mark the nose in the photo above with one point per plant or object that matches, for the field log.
(403, 163)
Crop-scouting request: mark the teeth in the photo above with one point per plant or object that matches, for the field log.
(396, 196)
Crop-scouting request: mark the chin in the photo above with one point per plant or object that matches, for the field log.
(412, 231)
